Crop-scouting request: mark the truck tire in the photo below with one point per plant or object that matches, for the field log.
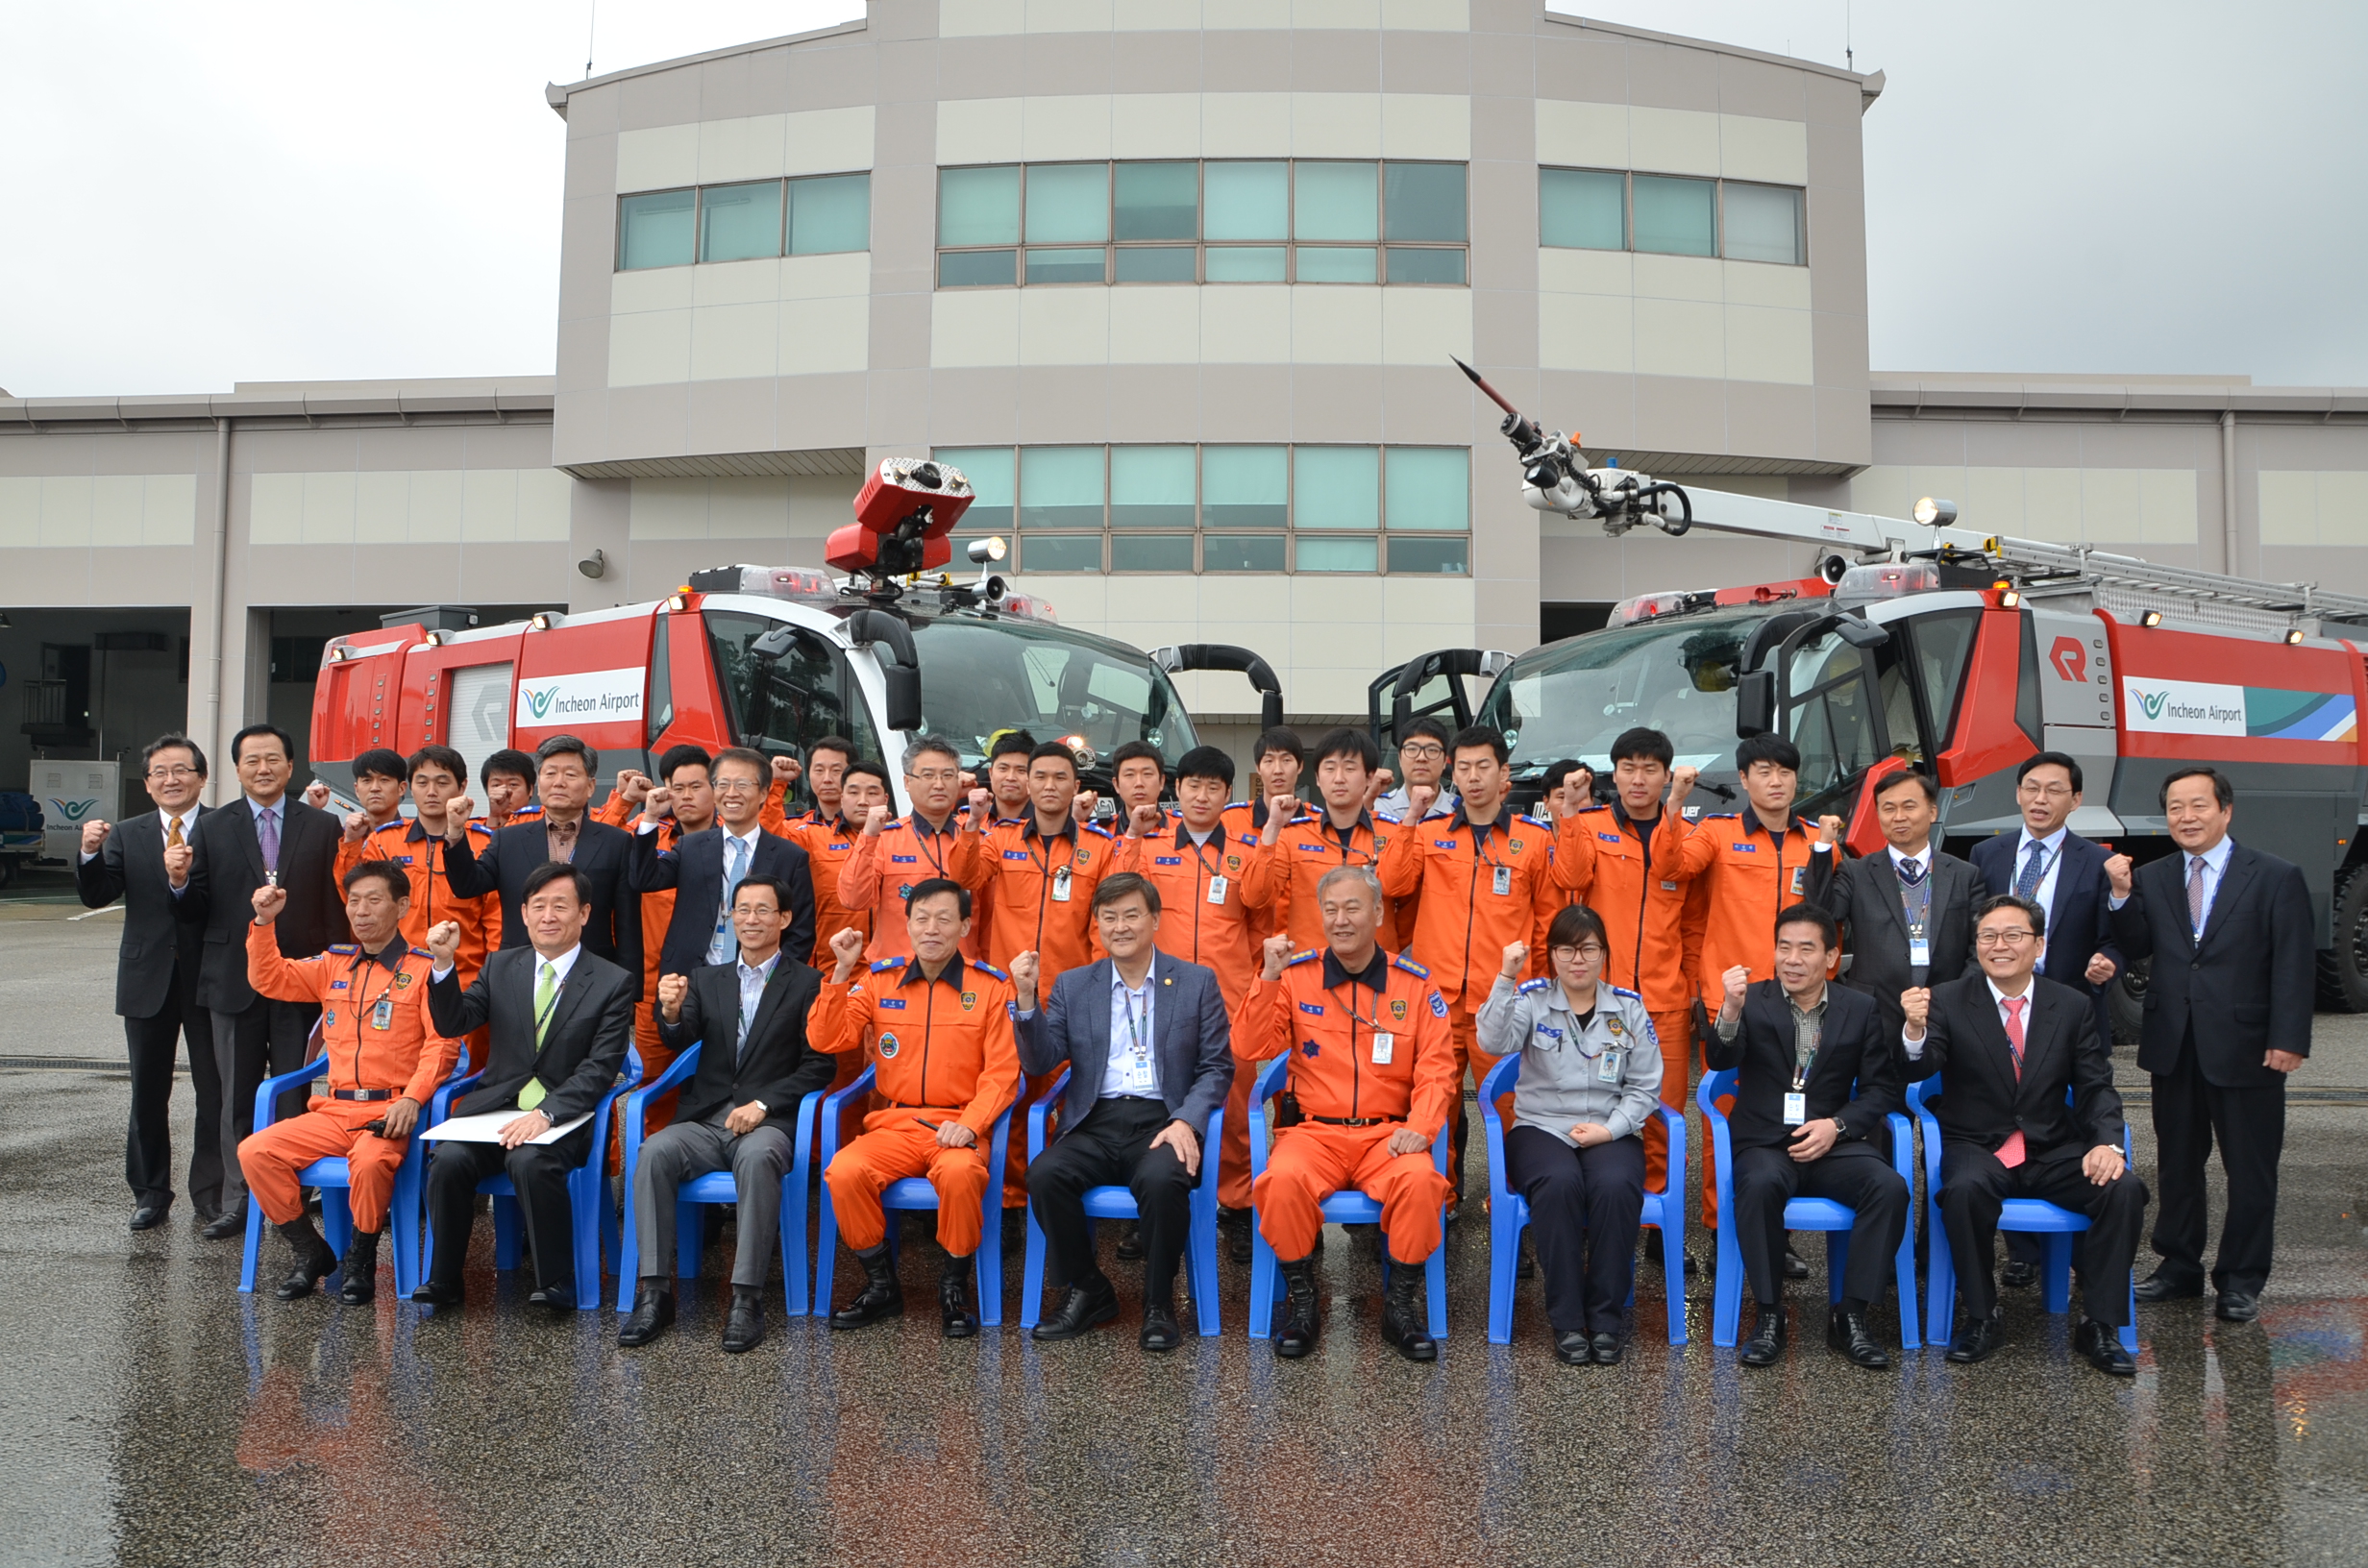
(2125, 1002)
(2343, 968)
(7, 869)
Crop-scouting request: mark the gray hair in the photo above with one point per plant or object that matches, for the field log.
(1362, 875)
(561, 746)
(925, 745)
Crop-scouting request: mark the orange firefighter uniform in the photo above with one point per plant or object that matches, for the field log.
(943, 1048)
(381, 1048)
(828, 843)
(1370, 1053)
(1245, 820)
(882, 868)
(1307, 848)
(421, 855)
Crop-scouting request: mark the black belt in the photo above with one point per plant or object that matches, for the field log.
(363, 1094)
(1354, 1121)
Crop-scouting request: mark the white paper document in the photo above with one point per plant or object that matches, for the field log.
(487, 1128)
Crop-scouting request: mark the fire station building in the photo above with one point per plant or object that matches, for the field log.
(1175, 284)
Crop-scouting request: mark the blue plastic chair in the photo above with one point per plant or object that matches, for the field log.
(2034, 1215)
(916, 1192)
(1347, 1206)
(332, 1177)
(1509, 1211)
(1119, 1203)
(1800, 1214)
(716, 1187)
(595, 1217)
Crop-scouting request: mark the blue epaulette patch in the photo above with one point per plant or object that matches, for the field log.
(1623, 991)
(484, 827)
(1720, 816)
(1385, 817)
(989, 968)
(1412, 967)
(1309, 955)
(1536, 822)
(1531, 988)
(422, 952)
(1094, 828)
(888, 964)
(345, 947)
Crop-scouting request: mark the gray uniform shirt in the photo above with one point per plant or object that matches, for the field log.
(1608, 1073)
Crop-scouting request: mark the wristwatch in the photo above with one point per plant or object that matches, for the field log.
(1841, 1132)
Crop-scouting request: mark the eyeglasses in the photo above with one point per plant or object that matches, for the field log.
(1590, 952)
(2003, 938)
(1425, 751)
(737, 786)
(937, 775)
(174, 773)
(2044, 792)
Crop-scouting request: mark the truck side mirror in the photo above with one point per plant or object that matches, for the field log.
(1755, 704)
(903, 683)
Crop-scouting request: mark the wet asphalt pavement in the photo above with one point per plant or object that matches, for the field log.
(152, 1415)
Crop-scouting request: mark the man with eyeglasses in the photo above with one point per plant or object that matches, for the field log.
(2007, 1045)
(2064, 874)
(893, 854)
(704, 869)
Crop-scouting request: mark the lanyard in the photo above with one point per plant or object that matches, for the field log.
(920, 841)
(1126, 1000)
(1802, 1069)
(1348, 1005)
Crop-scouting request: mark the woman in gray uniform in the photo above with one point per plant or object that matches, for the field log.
(1590, 1075)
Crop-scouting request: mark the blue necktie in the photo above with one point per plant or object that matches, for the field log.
(1911, 871)
(2034, 866)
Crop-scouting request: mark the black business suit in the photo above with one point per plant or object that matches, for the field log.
(602, 853)
(1984, 1100)
(255, 1036)
(155, 996)
(1864, 896)
(582, 1050)
(2213, 1007)
(694, 870)
(773, 1064)
(1855, 1078)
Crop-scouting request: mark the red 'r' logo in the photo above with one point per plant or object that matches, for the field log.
(2068, 657)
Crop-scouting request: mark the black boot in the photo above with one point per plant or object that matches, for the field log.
(653, 1308)
(1405, 1322)
(315, 1261)
(1297, 1334)
(1768, 1338)
(1847, 1334)
(359, 1270)
(880, 1296)
(954, 1299)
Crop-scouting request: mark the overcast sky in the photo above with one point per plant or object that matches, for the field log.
(201, 195)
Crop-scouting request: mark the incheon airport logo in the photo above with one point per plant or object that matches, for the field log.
(592, 697)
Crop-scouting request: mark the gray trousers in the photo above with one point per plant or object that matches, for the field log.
(687, 1150)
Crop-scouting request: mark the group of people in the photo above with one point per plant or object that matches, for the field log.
(1390, 935)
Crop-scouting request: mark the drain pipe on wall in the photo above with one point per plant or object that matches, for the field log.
(210, 656)
(2228, 491)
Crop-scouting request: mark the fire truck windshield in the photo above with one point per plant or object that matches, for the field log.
(978, 677)
(1574, 698)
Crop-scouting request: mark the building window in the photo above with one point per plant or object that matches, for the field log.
(1220, 509)
(1228, 221)
(1607, 209)
(748, 221)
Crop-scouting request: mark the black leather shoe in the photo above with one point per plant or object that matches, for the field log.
(1609, 1348)
(1575, 1349)
(2162, 1285)
(880, 1296)
(744, 1326)
(653, 1308)
(1300, 1325)
(1794, 1268)
(1846, 1335)
(1084, 1305)
(227, 1224)
(2237, 1307)
(315, 1261)
(357, 1271)
(1159, 1330)
(1405, 1321)
(553, 1298)
(1976, 1341)
(2102, 1346)
(1767, 1338)
(2018, 1275)
(1131, 1244)
(149, 1216)
(431, 1294)
(959, 1318)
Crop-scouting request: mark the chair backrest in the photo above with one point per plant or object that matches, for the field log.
(1715, 1086)
(1502, 1078)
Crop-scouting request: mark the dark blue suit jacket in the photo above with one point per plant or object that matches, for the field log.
(694, 869)
(1190, 1035)
(2079, 926)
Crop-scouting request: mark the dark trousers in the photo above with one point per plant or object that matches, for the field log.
(261, 1041)
(1853, 1174)
(1974, 1186)
(2248, 1124)
(1112, 1148)
(1583, 1207)
(539, 1173)
(151, 1045)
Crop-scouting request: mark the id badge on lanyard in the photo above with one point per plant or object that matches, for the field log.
(1501, 884)
(383, 1015)
(1385, 1045)
(1060, 885)
(1216, 890)
(1919, 946)
(1796, 1109)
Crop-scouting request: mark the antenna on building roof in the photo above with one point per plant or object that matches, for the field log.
(591, 26)
(1849, 56)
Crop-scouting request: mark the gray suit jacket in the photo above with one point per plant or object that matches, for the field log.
(1864, 895)
(1191, 1037)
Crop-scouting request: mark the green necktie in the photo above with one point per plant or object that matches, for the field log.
(546, 993)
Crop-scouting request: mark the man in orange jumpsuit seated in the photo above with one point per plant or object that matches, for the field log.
(941, 1037)
(385, 1058)
(1373, 1080)
(895, 854)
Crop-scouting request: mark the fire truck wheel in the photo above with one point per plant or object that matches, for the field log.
(8, 871)
(2125, 1002)
(2343, 968)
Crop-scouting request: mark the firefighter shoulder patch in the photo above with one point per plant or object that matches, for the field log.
(1418, 970)
(989, 968)
(1398, 1007)
(1439, 1006)
(887, 964)
(1531, 988)
(970, 999)
(888, 1047)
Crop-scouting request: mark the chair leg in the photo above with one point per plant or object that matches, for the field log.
(1200, 1269)
(588, 1199)
(1265, 1275)
(1727, 1289)
(1672, 1265)
(827, 1254)
(1904, 1268)
(2059, 1297)
(1837, 1264)
(403, 1224)
(1032, 1274)
(690, 1236)
(628, 1246)
(1940, 1280)
(506, 1240)
(255, 1245)
(991, 1259)
(1436, 1275)
(793, 1241)
(1504, 1256)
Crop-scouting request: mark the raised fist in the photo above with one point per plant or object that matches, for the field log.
(1145, 818)
(444, 942)
(316, 795)
(1829, 829)
(1274, 951)
(671, 990)
(1681, 783)
(1282, 807)
(873, 825)
(1025, 969)
(1916, 1002)
(1735, 982)
(658, 801)
(847, 947)
(268, 901)
(982, 809)
(356, 827)
(2101, 969)
(787, 771)
(633, 787)
(1378, 785)
(1517, 959)
(456, 813)
(177, 860)
(1081, 805)
(94, 836)
(2117, 872)
(1418, 798)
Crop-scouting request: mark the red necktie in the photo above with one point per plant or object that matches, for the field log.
(2010, 1152)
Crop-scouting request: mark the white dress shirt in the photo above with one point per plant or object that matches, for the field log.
(1915, 1047)
(563, 963)
(2215, 866)
(1132, 1067)
(2044, 895)
(1922, 859)
(165, 821)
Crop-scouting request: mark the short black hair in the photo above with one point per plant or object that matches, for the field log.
(508, 761)
(683, 756)
(383, 762)
(1010, 742)
(398, 885)
(870, 768)
(1138, 751)
(1351, 743)
(553, 871)
(2006, 900)
(2222, 790)
(1126, 885)
(1572, 921)
(840, 743)
(439, 756)
(1558, 772)
(1426, 726)
(1053, 750)
(1769, 748)
(781, 890)
(1806, 913)
(173, 743)
(1644, 745)
(747, 756)
(1281, 737)
(931, 887)
(238, 741)
(2050, 759)
(1205, 762)
(1486, 735)
(1917, 777)
(562, 745)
